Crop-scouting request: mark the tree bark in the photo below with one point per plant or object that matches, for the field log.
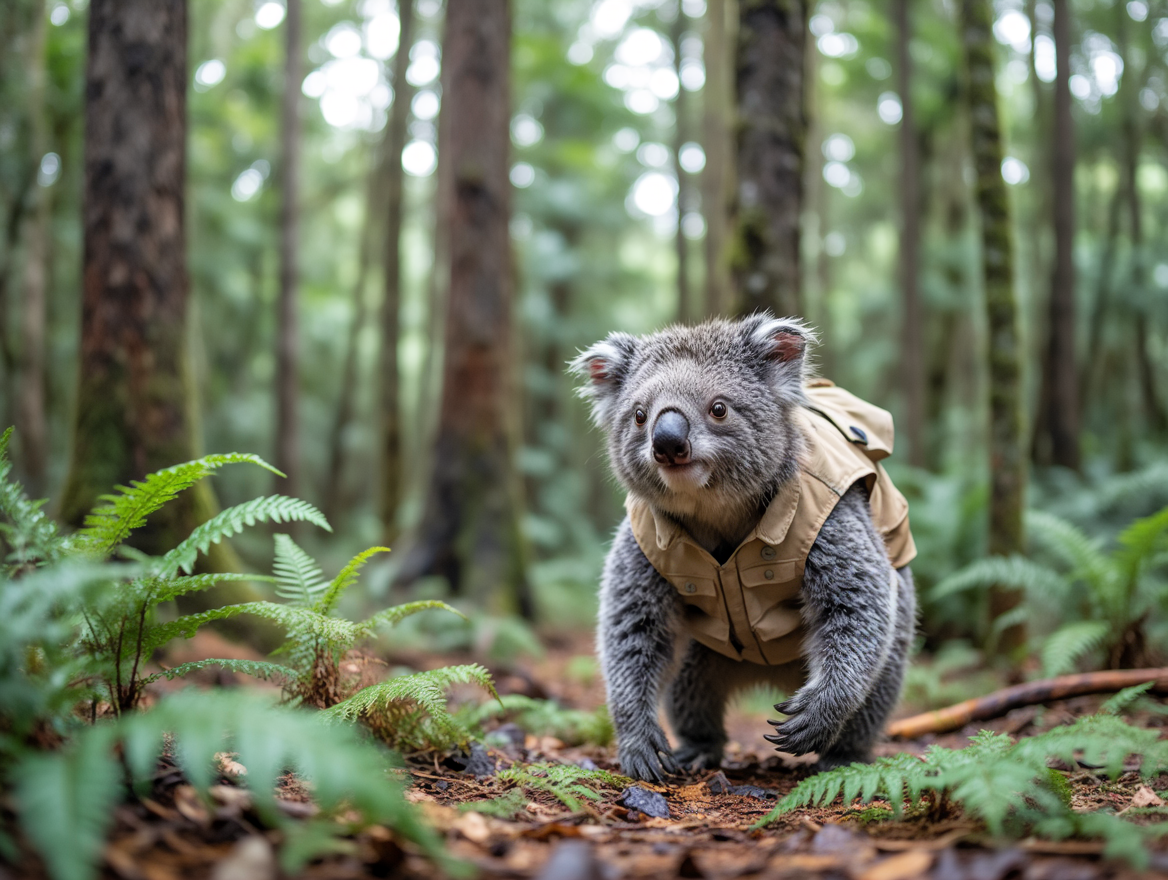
(1060, 395)
(135, 400)
(470, 530)
(912, 327)
(388, 372)
(716, 101)
(1007, 465)
(31, 429)
(772, 131)
(287, 326)
(687, 309)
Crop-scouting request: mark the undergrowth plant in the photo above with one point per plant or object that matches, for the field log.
(547, 718)
(566, 782)
(1106, 599)
(1005, 784)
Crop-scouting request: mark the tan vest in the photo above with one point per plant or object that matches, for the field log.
(753, 599)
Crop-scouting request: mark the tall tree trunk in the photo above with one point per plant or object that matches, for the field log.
(470, 530)
(135, 399)
(1101, 306)
(716, 103)
(687, 309)
(30, 415)
(287, 329)
(388, 374)
(1007, 465)
(912, 328)
(1132, 134)
(772, 131)
(1060, 395)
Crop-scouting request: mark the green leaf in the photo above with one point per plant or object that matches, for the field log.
(258, 668)
(1118, 702)
(345, 579)
(341, 634)
(1015, 572)
(399, 613)
(1063, 648)
(299, 579)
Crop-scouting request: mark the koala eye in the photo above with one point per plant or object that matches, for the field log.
(640, 417)
(719, 410)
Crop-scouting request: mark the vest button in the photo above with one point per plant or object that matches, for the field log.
(769, 575)
(691, 588)
(768, 552)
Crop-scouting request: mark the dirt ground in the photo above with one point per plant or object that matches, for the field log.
(174, 834)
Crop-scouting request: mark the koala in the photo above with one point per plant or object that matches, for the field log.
(706, 429)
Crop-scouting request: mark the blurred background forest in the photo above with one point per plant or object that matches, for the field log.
(666, 161)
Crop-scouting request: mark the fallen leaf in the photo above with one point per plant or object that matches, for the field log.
(903, 866)
(1144, 797)
(473, 827)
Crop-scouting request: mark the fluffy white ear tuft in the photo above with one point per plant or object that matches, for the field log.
(784, 344)
(606, 366)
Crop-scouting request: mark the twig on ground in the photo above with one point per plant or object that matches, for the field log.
(1031, 693)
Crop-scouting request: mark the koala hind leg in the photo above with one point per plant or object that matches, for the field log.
(864, 728)
(696, 705)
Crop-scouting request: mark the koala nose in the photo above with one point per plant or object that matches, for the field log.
(671, 438)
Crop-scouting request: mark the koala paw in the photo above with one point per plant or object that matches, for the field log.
(699, 756)
(648, 757)
(811, 726)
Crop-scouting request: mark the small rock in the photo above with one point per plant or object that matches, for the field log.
(480, 763)
(719, 784)
(644, 801)
(753, 791)
(442, 785)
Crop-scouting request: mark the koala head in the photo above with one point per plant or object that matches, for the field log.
(700, 414)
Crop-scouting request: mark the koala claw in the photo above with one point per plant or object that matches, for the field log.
(800, 734)
(649, 759)
(699, 756)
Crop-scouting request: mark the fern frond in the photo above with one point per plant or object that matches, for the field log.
(299, 579)
(31, 536)
(1017, 572)
(1139, 544)
(1062, 649)
(257, 668)
(1120, 701)
(567, 782)
(398, 613)
(548, 718)
(1081, 553)
(333, 631)
(345, 578)
(424, 691)
(156, 590)
(232, 521)
(65, 801)
(111, 523)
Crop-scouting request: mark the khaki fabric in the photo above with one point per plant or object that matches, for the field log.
(748, 608)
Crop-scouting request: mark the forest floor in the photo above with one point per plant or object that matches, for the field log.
(174, 834)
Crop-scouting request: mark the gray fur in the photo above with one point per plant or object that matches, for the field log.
(858, 635)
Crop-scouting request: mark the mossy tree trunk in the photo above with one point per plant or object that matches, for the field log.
(1057, 441)
(470, 530)
(1007, 464)
(772, 132)
(135, 400)
(716, 104)
(287, 323)
(389, 376)
(912, 356)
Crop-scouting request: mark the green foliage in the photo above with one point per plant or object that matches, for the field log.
(1004, 784)
(77, 787)
(1101, 600)
(410, 711)
(549, 718)
(505, 806)
(1119, 702)
(567, 782)
(298, 578)
(31, 537)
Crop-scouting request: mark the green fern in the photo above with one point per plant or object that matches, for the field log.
(566, 782)
(411, 710)
(1063, 648)
(548, 718)
(1004, 784)
(1015, 572)
(1121, 701)
(346, 577)
(256, 668)
(110, 524)
(298, 578)
(32, 538)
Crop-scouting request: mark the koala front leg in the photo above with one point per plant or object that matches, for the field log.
(849, 611)
(639, 618)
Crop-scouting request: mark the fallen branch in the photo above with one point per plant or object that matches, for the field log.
(1032, 692)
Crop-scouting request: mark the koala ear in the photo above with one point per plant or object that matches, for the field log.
(783, 345)
(606, 366)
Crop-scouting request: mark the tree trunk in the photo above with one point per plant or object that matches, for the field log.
(388, 374)
(135, 399)
(470, 530)
(287, 330)
(1007, 463)
(716, 142)
(1101, 307)
(1060, 394)
(912, 328)
(687, 310)
(772, 130)
(31, 430)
